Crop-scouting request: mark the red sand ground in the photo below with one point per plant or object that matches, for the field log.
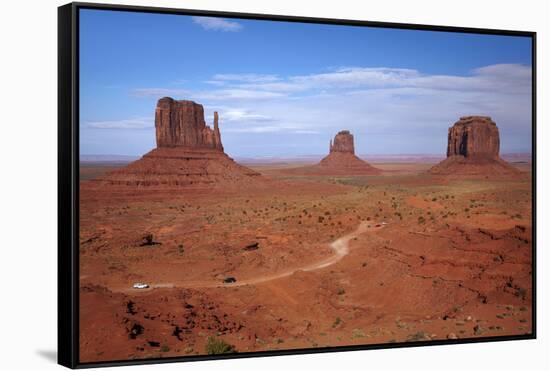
(314, 264)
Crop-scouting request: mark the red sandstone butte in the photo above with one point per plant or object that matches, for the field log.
(343, 142)
(189, 153)
(180, 123)
(341, 160)
(473, 149)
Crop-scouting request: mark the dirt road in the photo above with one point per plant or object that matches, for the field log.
(340, 247)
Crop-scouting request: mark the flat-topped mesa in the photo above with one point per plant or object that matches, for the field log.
(473, 149)
(474, 136)
(180, 123)
(343, 142)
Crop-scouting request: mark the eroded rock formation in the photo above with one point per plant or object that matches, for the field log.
(189, 153)
(474, 136)
(343, 142)
(181, 123)
(473, 149)
(341, 160)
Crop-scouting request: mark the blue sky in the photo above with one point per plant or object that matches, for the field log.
(285, 89)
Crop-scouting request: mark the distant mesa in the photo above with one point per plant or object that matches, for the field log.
(341, 159)
(189, 153)
(473, 149)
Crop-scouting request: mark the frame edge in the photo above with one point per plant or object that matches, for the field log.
(67, 305)
(68, 197)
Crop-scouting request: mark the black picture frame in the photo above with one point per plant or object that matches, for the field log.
(68, 180)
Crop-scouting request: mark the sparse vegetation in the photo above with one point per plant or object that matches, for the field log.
(218, 346)
(207, 246)
(148, 239)
(419, 336)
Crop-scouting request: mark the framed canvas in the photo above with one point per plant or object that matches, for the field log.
(242, 185)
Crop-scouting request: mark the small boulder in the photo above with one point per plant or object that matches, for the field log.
(252, 246)
(229, 280)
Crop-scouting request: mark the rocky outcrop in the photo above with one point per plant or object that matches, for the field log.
(341, 160)
(473, 146)
(181, 123)
(474, 136)
(343, 142)
(189, 154)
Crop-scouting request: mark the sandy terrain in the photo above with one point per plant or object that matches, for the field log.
(316, 261)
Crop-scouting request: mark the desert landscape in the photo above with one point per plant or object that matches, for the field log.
(268, 255)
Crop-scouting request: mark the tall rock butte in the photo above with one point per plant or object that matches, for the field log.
(343, 142)
(181, 123)
(473, 146)
(189, 154)
(341, 160)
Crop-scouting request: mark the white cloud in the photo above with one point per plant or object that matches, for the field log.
(350, 77)
(160, 92)
(133, 123)
(511, 78)
(220, 94)
(258, 129)
(215, 82)
(247, 77)
(504, 76)
(235, 94)
(279, 87)
(243, 115)
(391, 110)
(217, 24)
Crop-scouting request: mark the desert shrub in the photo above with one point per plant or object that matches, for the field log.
(218, 346)
(418, 336)
(147, 239)
(165, 348)
(521, 292)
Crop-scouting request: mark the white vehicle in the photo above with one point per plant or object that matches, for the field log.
(141, 285)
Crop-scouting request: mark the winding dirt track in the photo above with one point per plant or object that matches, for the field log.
(340, 247)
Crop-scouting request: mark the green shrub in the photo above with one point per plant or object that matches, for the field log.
(218, 346)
